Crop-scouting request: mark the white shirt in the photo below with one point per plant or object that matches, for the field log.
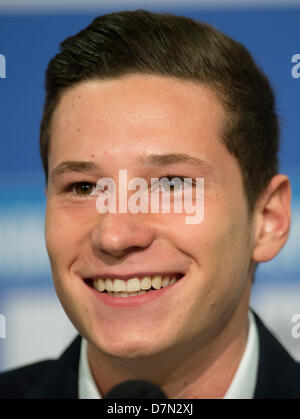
(242, 386)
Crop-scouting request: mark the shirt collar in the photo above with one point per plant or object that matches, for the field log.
(87, 388)
(241, 387)
(244, 381)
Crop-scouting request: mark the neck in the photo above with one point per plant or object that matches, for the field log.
(193, 370)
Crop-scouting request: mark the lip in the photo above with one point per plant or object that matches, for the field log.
(133, 301)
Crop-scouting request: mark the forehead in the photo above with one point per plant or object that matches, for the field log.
(136, 114)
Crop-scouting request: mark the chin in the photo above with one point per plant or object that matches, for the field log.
(128, 349)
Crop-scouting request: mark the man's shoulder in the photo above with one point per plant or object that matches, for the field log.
(47, 379)
(15, 383)
(278, 372)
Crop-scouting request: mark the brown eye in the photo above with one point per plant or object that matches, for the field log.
(83, 189)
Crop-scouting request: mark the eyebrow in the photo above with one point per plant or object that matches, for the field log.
(73, 166)
(150, 160)
(173, 158)
(177, 158)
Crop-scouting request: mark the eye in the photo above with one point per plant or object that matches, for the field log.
(171, 183)
(83, 189)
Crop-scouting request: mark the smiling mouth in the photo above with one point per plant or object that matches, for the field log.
(133, 286)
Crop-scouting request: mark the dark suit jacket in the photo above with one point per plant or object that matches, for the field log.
(278, 374)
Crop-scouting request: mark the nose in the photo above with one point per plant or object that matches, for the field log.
(119, 234)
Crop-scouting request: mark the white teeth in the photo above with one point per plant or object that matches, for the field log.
(146, 283)
(109, 285)
(100, 285)
(126, 294)
(156, 282)
(165, 282)
(133, 286)
(119, 285)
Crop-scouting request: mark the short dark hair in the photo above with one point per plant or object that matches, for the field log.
(122, 43)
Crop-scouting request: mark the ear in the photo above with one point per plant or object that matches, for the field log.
(272, 219)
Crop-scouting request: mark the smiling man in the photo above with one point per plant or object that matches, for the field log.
(152, 296)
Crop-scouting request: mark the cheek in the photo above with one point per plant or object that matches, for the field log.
(219, 270)
(226, 264)
(63, 232)
(219, 246)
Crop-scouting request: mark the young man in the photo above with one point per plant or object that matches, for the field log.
(152, 296)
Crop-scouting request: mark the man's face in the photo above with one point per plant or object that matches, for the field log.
(116, 124)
